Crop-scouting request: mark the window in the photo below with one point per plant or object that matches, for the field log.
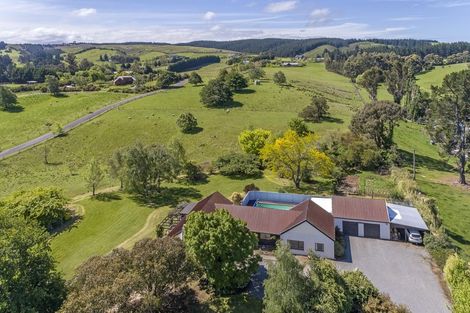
(320, 247)
(296, 245)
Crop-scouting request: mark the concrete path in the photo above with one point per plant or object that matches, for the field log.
(401, 270)
(78, 122)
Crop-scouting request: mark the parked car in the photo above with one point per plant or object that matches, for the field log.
(414, 236)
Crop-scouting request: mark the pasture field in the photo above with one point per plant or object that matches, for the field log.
(436, 76)
(152, 120)
(34, 111)
(93, 55)
(319, 51)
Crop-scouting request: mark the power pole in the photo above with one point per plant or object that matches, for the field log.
(414, 164)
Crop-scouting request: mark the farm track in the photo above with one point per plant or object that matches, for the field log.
(80, 121)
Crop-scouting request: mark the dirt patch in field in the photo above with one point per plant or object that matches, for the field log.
(453, 181)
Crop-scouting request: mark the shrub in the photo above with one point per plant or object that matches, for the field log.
(238, 164)
(360, 289)
(279, 78)
(186, 122)
(236, 198)
(250, 187)
(47, 206)
(439, 246)
(193, 172)
(383, 304)
(299, 127)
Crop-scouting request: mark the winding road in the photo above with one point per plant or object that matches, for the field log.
(82, 120)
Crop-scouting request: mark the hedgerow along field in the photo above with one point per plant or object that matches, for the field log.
(29, 119)
(152, 120)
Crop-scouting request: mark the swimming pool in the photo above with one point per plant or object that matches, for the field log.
(272, 205)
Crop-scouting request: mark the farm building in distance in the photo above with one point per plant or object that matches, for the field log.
(307, 223)
(124, 80)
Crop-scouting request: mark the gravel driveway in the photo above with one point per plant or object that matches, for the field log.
(401, 270)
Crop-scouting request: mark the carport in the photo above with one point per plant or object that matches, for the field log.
(404, 217)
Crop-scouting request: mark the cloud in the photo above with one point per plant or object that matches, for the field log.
(320, 15)
(84, 12)
(209, 15)
(216, 28)
(283, 6)
(406, 18)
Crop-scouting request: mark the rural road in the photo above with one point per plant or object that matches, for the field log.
(33, 142)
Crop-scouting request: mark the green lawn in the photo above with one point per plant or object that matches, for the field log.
(29, 119)
(110, 221)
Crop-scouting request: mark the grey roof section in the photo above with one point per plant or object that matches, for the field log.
(188, 208)
(405, 216)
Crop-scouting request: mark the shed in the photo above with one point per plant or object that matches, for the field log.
(406, 216)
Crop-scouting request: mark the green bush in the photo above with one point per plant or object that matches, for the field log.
(360, 289)
(439, 246)
(238, 164)
(186, 122)
(383, 304)
(194, 172)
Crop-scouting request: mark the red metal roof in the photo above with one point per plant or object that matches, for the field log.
(374, 210)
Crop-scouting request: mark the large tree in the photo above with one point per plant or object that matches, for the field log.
(52, 84)
(149, 166)
(117, 166)
(370, 80)
(294, 157)
(29, 281)
(317, 109)
(216, 93)
(279, 78)
(236, 81)
(195, 79)
(450, 118)
(398, 77)
(253, 140)
(7, 98)
(45, 205)
(287, 288)
(152, 277)
(223, 247)
(377, 122)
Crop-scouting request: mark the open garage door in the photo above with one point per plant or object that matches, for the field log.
(350, 228)
(371, 230)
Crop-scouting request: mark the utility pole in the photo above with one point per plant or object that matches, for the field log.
(414, 164)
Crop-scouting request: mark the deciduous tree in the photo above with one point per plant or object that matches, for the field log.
(236, 81)
(317, 109)
(252, 141)
(52, 83)
(45, 205)
(186, 122)
(29, 281)
(7, 98)
(279, 78)
(94, 176)
(293, 157)
(223, 247)
(216, 94)
(195, 79)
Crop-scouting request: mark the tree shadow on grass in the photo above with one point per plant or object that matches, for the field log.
(425, 161)
(168, 196)
(312, 188)
(194, 131)
(458, 237)
(245, 91)
(108, 196)
(61, 95)
(230, 105)
(331, 119)
(14, 109)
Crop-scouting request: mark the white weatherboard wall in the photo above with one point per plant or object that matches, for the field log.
(310, 235)
(384, 227)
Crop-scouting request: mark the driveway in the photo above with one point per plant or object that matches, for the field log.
(399, 269)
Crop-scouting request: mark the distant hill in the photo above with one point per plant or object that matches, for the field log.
(290, 47)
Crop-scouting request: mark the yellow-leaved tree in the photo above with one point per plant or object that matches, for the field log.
(293, 157)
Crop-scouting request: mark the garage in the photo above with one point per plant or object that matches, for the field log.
(351, 228)
(371, 230)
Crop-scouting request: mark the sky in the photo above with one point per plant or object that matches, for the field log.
(53, 21)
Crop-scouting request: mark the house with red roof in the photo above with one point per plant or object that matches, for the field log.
(306, 223)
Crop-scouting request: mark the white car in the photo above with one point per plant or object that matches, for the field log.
(414, 236)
